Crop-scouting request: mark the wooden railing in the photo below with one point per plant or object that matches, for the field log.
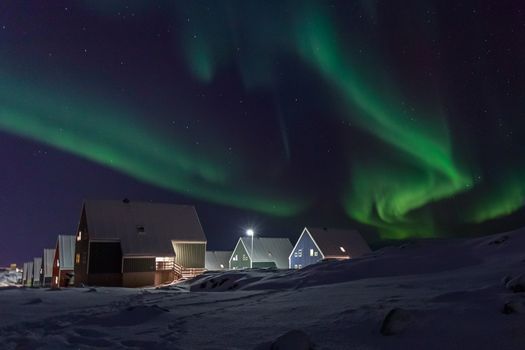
(182, 272)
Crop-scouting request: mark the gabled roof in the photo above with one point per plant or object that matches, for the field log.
(29, 275)
(214, 260)
(143, 228)
(330, 241)
(47, 262)
(24, 273)
(66, 251)
(266, 249)
(37, 265)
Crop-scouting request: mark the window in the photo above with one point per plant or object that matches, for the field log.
(77, 258)
(235, 258)
(244, 257)
(300, 266)
(56, 279)
(300, 253)
(222, 266)
(342, 249)
(295, 266)
(270, 254)
(140, 230)
(311, 252)
(58, 263)
(315, 253)
(295, 254)
(79, 236)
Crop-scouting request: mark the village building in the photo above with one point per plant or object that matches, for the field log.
(37, 268)
(28, 269)
(46, 276)
(63, 262)
(133, 244)
(316, 244)
(217, 260)
(266, 253)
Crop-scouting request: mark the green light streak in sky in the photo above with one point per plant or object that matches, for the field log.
(425, 169)
(120, 141)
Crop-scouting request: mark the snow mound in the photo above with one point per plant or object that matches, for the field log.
(292, 340)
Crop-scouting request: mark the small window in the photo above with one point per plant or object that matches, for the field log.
(270, 254)
(77, 258)
(311, 252)
(244, 257)
(342, 249)
(58, 263)
(295, 254)
(79, 236)
(56, 279)
(300, 253)
(235, 258)
(141, 230)
(295, 266)
(300, 266)
(315, 253)
(222, 266)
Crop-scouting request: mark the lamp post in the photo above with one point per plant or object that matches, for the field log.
(251, 233)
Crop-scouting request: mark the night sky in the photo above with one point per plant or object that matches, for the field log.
(404, 119)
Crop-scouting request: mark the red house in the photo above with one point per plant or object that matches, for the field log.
(63, 262)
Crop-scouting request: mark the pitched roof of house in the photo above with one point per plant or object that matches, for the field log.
(66, 251)
(214, 260)
(47, 262)
(29, 270)
(24, 272)
(331, 240)
(143, 228)
(267, 249)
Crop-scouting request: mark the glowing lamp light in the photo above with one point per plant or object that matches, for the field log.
(250, 232)
(342, 249)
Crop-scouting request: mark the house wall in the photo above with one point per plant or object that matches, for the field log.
(82, 252)
(190, 255)
(55, 282)
(138, 279)
(104, 265)
(304, 252)
(240, 258)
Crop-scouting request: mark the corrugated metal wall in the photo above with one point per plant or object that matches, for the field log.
(138, 265)
(190, 254)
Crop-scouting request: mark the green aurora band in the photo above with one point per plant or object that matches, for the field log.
(382, 194)
(122, 142)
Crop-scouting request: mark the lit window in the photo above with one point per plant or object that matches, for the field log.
(300, 253)
(244, 257)
(77, 258)
(269, 254)
(295, 266)
(79, 237)
(56, 279)
(315, 253)
(295, 254)
(300, 266)
(58, 263)
(235, 257)
(311, 252)
(342, 249)
(222, 266)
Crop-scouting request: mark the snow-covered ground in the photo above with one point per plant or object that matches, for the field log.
(446, 294)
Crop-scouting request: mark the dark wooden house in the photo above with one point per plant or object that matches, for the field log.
(133, 244)
(316, 244)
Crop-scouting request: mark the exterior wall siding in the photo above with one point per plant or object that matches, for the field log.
(138, 265)
(82, 252)
(191, 255)
(304, 253)
(240, 258)
(138, 279)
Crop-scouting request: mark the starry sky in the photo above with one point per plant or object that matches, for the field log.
(403, 119)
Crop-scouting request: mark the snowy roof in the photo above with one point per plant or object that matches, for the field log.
(266, 249)
(47, 262)
(24, 273)
(66, 251)
(214, 260)
(37, 265)
(330, 241)
(143, 228)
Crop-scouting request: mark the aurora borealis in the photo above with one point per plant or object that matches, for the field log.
(405, 120)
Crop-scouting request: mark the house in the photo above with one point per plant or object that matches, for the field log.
(217, 260)
(28, 266)
(316, 244)
(63, 264)
(25, 271)
(267, 253)
(133, 244)
(47, 267)
(37, 267)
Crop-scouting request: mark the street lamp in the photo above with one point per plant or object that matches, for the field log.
(251, 233)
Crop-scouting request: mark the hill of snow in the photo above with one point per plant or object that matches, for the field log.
(431, 294)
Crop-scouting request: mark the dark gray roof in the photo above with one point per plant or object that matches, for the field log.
(161, 224)
(268, 249)
(331, 240)
(214, 260)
